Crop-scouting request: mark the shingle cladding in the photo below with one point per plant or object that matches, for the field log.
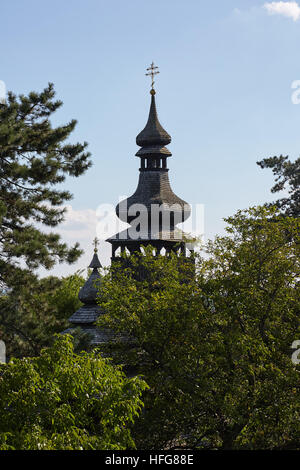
(153, 188)
(97, 337)
(153, 134)
(86, 314)
(152, 234)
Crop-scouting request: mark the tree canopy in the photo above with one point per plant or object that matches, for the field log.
(31, 314)
(34, 158)
(64, 401)
(216, 350)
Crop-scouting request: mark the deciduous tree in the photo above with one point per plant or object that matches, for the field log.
(216, 349)
(65, 401)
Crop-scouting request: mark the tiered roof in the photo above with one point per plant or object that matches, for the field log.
(153, 190)
(86, 316)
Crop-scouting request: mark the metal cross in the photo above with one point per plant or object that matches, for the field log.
(96, 242)
(152, 70)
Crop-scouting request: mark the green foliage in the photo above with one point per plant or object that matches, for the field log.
(215, 349)
(64, 401)
(287, 177)
(30, 315)
(34, 159)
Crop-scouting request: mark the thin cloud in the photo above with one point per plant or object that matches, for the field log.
(287, 9)
(80, 225)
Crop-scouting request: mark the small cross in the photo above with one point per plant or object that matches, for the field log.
(96, 243)
(152, 70)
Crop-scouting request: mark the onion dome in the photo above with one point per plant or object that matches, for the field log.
(153, 137)
(89, 311)
(88, 293)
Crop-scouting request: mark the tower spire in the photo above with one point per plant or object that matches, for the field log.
(153, 211)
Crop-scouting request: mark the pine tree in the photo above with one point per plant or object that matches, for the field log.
(287, 177)
(34, 159)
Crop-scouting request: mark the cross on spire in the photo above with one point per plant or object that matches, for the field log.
(152, 71)
(96, 243)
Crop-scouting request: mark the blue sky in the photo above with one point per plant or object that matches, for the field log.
(223, 93)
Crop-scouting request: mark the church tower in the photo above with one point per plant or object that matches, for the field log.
(153, 211)
(86, 317)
